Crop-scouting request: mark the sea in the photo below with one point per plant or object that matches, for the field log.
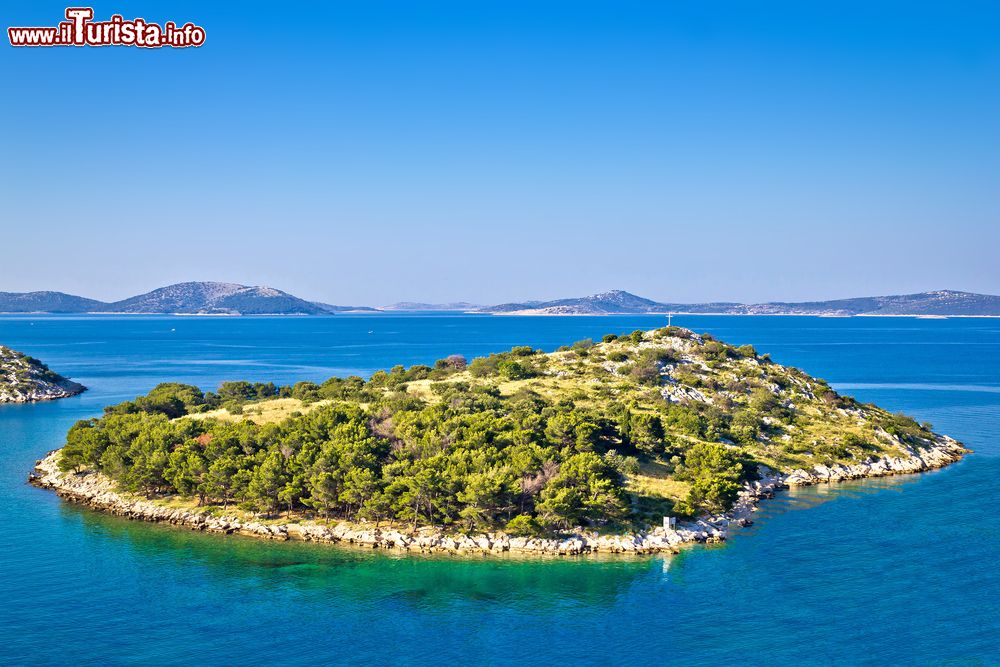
(897, 571)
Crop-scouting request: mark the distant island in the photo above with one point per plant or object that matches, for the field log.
(212, 298)
(192, 298)
(941, 303)
(638, 443)
(24, 379)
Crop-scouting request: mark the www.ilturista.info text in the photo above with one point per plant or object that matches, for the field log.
(81, 30)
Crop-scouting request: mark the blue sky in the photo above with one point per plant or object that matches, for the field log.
(369, 152)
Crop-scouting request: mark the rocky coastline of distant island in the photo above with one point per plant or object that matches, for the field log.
(24, 379)
(96, 491)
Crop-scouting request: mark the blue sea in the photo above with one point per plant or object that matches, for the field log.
(897, 571)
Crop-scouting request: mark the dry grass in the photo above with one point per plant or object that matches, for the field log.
(264, 412)
(654, 480)
(422, 390)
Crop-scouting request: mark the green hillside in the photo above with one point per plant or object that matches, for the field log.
(611, 435)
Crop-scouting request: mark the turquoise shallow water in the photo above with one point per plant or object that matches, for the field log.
(895, 571)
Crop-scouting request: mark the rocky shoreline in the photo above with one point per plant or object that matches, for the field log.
(41, 393)
(96, 491)
(24, 379)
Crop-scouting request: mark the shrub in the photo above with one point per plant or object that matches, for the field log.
(657, 354)
(647, 374)
(454, 362)
(524, 525)
(903, 427)
(307, 392)
(763, 401)
(856, 441)
(625, 465)
(745, 427)
(513, 370)
(646, 433)
(342, 388)
(676, 332)
(683, 419)
(484, 366)
(646, 369)
(715, 472)
(716, 351)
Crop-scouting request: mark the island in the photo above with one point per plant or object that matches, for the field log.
(190, 298)
(216, 298)
(941, 303)
(24, 379)
(638, 443)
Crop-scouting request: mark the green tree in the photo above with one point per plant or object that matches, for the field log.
(746, 427)
(267, 481)
(360, 486)
(587, 489)
(714, 472)
(485, 495)
(219, 482)
(291, 492)
(646, 433)
(324, 490)
(186, 470)
(513, 370)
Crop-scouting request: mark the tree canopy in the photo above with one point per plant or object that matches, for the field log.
(598, 434)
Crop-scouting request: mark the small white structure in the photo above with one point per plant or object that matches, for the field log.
(669, 522)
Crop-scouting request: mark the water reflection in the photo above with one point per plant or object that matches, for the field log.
(408, 579)
(319, 571)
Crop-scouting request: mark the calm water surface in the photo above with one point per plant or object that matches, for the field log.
(897, 571)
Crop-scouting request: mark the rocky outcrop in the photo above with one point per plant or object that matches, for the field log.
(24, 379)
(937, 454)
(97, 491)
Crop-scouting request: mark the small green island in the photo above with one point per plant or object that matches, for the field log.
(24, 379)
(637, 443)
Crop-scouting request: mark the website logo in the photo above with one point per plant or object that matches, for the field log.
(80, 29)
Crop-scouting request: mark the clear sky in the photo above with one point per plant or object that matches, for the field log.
(370, 152)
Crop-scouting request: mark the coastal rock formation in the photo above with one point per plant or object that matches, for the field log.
(945, 451)
(24, 379)
(95, 490)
